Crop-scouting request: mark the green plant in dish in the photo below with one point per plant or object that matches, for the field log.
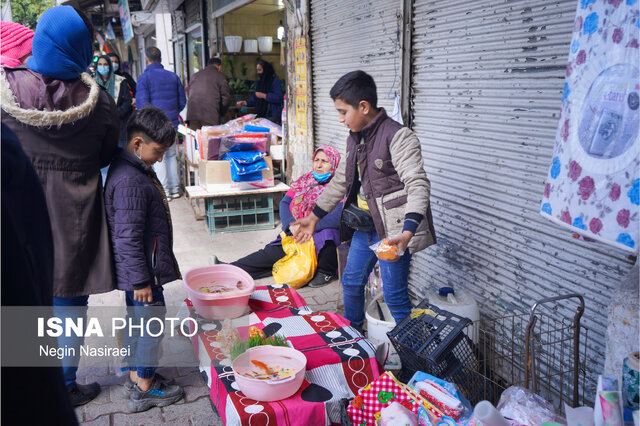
(241, 346)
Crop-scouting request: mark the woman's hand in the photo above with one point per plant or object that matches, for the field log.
(241, 103)
(143, 295)
(294, 228)
(304, 228)
(261, 95)
(402, 240)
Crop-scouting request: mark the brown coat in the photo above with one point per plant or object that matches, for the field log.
(209, 96)
(69, 129)
(393, 179)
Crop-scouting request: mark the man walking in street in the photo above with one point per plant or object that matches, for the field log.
(162, 89)
(209, 96)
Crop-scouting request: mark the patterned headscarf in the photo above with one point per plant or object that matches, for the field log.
(305, 191)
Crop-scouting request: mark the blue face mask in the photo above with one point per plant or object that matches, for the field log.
(103, 69)
(321, 178)
(136, 154)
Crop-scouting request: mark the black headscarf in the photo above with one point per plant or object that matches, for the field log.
(122, 73)
(264, 85)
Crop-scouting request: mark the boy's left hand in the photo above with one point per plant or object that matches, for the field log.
(144, 295)
(402, 240)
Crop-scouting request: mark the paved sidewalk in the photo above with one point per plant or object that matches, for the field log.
(193, 246)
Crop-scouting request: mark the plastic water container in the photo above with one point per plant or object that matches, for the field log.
(377, 331)
(459, 302)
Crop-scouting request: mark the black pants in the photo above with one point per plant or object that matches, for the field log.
(259, 264)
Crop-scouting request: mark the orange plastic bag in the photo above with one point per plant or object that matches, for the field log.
(298, 265)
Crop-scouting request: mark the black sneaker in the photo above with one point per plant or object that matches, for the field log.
(81, 394)
(321, 279)
(159, 395)
(129, 384)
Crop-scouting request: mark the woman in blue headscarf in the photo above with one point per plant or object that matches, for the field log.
(68, 127)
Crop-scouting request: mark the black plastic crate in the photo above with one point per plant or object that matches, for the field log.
(434, 344)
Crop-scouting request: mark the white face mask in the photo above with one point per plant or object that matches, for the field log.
(115, 66)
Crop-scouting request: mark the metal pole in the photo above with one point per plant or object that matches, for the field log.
(405, 90)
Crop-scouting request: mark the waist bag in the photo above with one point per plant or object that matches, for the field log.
(356, 218)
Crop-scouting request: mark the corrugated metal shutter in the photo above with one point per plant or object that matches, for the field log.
(487, 84)
(193, 10)
(347, 36)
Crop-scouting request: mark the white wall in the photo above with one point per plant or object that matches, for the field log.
(163, 35)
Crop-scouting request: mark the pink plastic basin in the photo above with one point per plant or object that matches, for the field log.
(215, 306)
(270, 390)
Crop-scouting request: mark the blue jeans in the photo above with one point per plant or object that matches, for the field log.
(121, 144)
(167, 171)
(70, 307)
(360, 263)
(143, 348)
(103, 172)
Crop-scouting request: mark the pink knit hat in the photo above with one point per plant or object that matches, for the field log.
(15, 42)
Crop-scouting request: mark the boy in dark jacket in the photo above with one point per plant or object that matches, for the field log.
(387, 197)
(141, 235)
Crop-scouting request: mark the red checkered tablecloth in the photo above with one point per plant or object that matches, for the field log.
(340, 361)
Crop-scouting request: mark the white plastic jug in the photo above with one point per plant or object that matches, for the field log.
(377, 329)
(459, 302)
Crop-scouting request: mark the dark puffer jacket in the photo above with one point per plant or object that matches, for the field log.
(162, 89)
(139, 225)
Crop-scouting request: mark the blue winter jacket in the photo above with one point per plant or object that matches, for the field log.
(162, 89)
(139, 225)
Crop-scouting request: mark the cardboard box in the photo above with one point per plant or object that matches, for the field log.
(216, 175)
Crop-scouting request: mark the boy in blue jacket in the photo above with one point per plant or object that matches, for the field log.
(141, 236)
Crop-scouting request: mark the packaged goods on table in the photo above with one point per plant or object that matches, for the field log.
(246, 166)
(244, 142)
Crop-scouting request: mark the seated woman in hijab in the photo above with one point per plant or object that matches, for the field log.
(296, 204)
(267, 99)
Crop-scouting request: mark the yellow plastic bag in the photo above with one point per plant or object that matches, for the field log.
(298, 265)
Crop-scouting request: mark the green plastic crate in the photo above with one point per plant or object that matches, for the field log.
(238, 213)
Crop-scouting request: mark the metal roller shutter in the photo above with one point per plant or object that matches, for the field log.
(347, 36)
(193, 12)
(486, 94)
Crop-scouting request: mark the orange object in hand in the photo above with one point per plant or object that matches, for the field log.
(388, 252)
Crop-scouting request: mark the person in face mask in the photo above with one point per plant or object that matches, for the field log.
(105, 75)
(296, 204)
(117, 67)
(125, 89)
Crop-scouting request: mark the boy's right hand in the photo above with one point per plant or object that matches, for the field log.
(144, 295)
(305, 228)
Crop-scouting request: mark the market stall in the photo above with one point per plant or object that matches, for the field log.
(236, 168)
(339, 360)
(268, 359)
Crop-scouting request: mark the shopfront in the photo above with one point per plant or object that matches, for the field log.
(347, 37)
(195, 49)
(485, 88)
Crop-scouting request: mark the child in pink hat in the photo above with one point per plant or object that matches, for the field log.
(15, 44)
